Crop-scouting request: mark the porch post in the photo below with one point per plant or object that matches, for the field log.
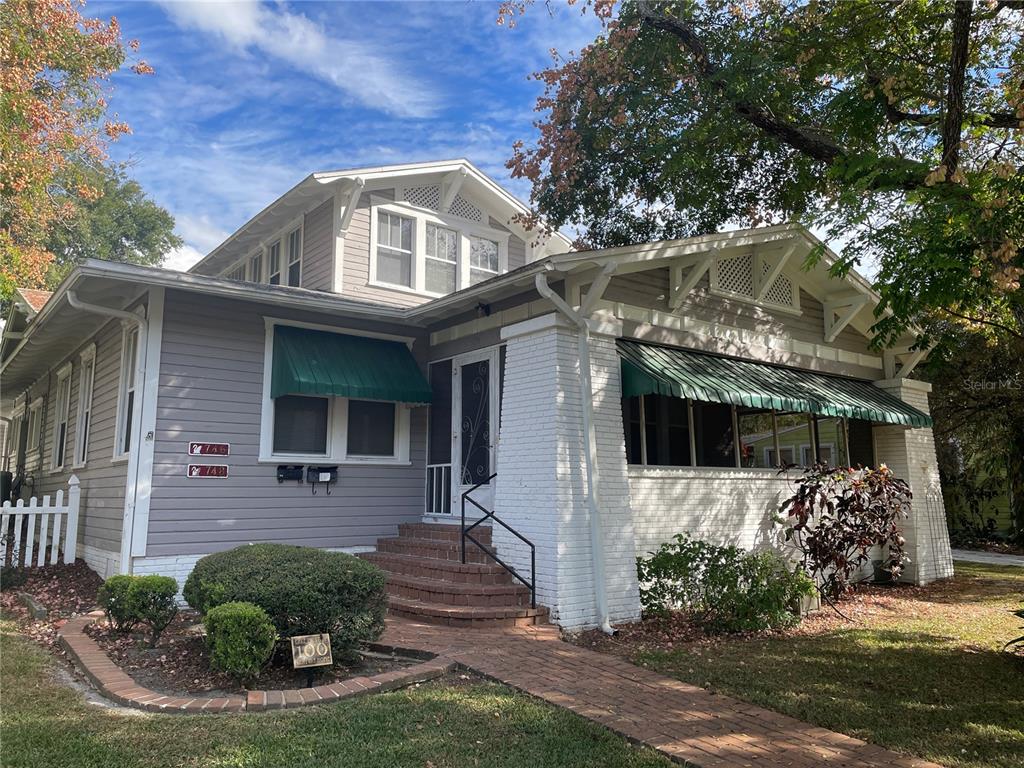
(910, 454)
(541, 486)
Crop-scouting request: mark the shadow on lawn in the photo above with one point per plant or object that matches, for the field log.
(908, 691)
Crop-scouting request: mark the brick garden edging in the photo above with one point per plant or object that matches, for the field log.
(120, 687)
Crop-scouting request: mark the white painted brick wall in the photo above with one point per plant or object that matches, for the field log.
(910, 453)
(102, 561)
(541, 488)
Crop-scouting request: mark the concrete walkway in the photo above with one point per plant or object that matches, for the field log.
(687, 723)
(989, 558)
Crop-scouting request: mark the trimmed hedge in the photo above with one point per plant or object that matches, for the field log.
(153, 601)
(304, 590)
(113, 599)
(241, 639)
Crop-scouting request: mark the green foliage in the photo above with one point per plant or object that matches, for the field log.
(724, 589)
(241, 637)
(114, 598)
(685, 117)
(838, 516)
(132, 600)
(151, 600)
(303, 589)
(122, 224)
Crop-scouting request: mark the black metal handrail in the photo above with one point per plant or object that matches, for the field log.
(489, 514)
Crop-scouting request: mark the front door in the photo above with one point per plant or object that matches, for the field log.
(475, 419)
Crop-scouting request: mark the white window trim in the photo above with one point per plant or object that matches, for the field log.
(421, 217)
(127, 329)
(85, 398)
(63, 379)
(279, 236)
(286, 255)
(769, 450)
(714, 289)
(33, 452)
(337, 411)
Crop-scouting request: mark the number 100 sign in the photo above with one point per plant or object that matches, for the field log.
(311, 651)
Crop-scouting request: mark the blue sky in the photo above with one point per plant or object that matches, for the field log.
(250, 97)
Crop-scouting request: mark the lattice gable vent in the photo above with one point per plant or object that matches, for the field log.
(462, 207)
(735, 275)
(424, 197)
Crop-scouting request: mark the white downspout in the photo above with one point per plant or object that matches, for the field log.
(580, 320)
(131, 491)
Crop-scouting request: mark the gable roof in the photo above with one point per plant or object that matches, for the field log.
(321, 185)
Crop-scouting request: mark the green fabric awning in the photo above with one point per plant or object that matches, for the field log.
(309, 362)
(652, 369)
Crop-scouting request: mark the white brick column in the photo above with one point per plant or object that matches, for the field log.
(541, 484)
(910, 454)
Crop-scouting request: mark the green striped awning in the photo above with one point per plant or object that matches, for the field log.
(652, 369)
(310, 362)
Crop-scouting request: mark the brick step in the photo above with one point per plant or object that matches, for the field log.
(434, 549)
(442, 532)
(439, 570)
(449, 593)
(466, 616)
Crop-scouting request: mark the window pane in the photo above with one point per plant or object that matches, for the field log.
(275, 257)
(440, 449)
(478, 276)
(129, 409)
(862, 445)
(832, 442)
(393, 267)
(713, 430)
(371, 428)
(666, 431)
(483, 253)
(757, 438)
(631, 425)
(794, 438)
(406, 234)
(440, 276)
(294, 243)
(300, 424)
(295, 273)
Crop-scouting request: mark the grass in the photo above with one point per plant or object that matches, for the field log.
(45, 723)
(921, 671)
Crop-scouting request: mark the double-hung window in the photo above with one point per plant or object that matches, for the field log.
(61, 415)
(295, 257)
(483, 259)
(127, 398)
(274, 263)
(256, 267)
(394, 249)
(86, 378)
(237, 273)
(442, 259)
(35, 429)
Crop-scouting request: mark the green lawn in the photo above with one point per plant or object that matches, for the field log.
(922, 673)
(46, 724)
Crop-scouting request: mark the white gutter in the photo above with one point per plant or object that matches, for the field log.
(132, 484)
(581, 320)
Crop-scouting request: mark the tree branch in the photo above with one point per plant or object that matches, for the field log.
(992, 323)
(808, 141)
(953, 122)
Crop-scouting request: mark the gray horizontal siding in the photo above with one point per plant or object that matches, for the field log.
(516, 245)
(318, 248)
(210, 389)
(102, 480)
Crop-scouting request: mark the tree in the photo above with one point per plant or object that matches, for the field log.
(54, 127)
(121, 224)
(894, 126)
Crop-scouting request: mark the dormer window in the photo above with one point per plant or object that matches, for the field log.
(423, 251)
(394, 249)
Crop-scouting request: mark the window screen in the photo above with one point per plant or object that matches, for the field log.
(713, 429)
(371, 428)
(300, 424)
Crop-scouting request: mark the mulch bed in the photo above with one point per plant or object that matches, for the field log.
(180, 663)
(995, 547)
(64, 590)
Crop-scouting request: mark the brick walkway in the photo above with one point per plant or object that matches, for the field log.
(685, 722)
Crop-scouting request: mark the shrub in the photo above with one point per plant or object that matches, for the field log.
(304, 590)
(723, 589)
(152, 601)
(838, 516)
(241, 638)
(12, 576)
(113, 598)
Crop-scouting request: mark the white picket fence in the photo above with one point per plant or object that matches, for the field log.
(27, 531)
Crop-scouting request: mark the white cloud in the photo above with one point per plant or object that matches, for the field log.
(182, 259)
(354, 67)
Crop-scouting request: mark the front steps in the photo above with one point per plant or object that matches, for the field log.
(428, 582)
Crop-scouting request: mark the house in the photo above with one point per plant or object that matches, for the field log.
(380, 343)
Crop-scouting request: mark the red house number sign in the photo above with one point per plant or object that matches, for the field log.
(208, 470)
(209, 449)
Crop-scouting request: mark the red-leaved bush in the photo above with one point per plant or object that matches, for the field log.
(838, 516)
